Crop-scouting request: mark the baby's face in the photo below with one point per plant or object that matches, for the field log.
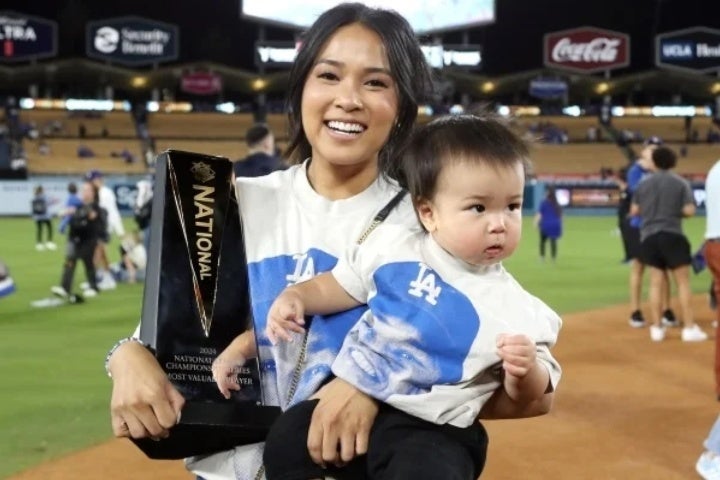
(476, 213)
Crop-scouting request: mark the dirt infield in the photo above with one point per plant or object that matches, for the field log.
(626, 409)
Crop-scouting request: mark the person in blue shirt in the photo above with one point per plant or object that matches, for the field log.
(636, 172)
(72, 202)
(549, 221)
(261, 158)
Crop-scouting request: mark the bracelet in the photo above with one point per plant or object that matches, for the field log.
(117, 345)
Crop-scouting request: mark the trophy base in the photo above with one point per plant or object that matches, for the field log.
(208, 427)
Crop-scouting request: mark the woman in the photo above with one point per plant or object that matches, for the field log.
(353, 97)
(549, 221)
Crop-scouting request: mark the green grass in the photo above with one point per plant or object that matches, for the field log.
(54, 394)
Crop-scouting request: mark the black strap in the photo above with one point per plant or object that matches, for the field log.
(382, 215)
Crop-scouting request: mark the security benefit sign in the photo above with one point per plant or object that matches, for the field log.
(24, 37)
(586, 50)
(132, 41)
(694, 49)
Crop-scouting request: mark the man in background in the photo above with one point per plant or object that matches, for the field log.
(108, 201)
(642, 167)
(261, 158)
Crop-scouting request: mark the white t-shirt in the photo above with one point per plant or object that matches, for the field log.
(712, 202)
(107, 200)
(292, 234)
(427, 344)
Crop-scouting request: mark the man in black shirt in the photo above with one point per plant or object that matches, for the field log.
(261, 158)
(87, 224)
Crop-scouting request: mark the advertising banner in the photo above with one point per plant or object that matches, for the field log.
(132, 41)
(25, 37)
(201, 83)
(586, 50)
(694, 50)
(15, 196)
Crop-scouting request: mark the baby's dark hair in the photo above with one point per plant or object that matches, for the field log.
(664, 158)
(483, 138)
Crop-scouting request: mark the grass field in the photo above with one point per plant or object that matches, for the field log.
(54, 393)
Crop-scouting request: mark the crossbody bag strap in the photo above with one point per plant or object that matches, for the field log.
(382, 215)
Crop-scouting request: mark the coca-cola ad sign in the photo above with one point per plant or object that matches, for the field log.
(587, 50)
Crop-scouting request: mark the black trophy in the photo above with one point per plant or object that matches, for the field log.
(196, 302)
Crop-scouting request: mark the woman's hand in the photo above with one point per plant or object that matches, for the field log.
(144, 403)
(340, 424)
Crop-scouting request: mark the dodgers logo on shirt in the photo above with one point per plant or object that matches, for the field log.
(418, 333)
(326, 333)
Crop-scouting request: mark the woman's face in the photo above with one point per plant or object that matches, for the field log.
(349, 100)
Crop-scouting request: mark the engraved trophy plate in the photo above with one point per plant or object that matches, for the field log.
(196, 302)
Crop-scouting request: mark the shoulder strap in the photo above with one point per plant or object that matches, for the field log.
(382, 215)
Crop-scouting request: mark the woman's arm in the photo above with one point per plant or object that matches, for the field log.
(144, 403)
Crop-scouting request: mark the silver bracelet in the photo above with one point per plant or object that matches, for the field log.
(117, 345)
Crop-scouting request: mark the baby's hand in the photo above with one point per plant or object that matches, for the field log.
(286, 314)
(225, 369)
(518, 353)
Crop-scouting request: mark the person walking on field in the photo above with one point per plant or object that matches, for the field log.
(548, 220)
(43, 219)
(664, 199)
(639, 170)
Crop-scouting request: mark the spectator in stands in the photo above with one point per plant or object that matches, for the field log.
(548, 220)
(114, 224)
(82, 130)
(44, 148)
(86, 225)
(83, 151)
(104, 133)
(635, 173)
(261, 158)
(664, 199)
(71, 203)
(41, 214)
(318, 207)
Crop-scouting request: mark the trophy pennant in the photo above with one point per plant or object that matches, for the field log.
(203, 221)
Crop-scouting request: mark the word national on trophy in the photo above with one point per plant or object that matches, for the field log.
(196, 301)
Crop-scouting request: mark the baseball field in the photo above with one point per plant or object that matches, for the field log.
(626, 408)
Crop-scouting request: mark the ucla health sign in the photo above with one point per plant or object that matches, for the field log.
(132, 41)
(694, 49)
(24, 37)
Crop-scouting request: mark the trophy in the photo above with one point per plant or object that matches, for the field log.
(196, 302)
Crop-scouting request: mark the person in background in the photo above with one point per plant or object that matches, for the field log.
(549, 221)
(107, 202)
(43, 218)
(71, 203)
(142, 210)
(708, 465)
(261, 158)
(7, 285)
(642, 167)
(133, 260)
(86, 225)
(623, 211)
(664, 199)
